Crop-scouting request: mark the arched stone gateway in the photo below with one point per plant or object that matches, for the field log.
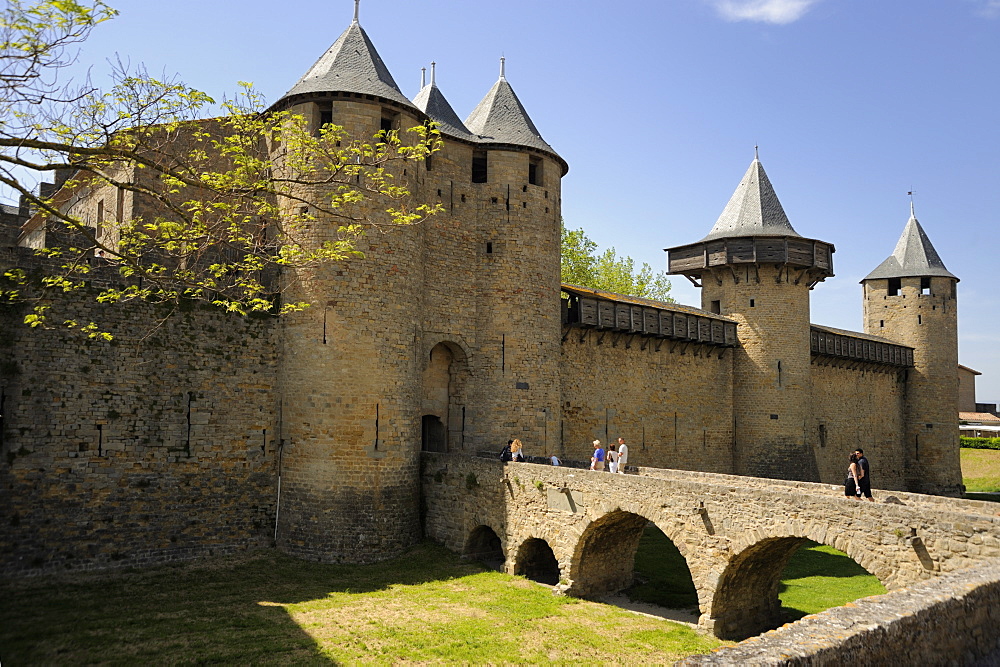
(536, 561)
(443, 401)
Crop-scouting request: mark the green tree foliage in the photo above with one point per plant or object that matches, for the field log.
(583, 266)
(226, 203)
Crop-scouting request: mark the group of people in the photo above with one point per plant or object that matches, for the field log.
(858, 480)
(616, 457)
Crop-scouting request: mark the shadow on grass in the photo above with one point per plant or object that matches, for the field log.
(227, 611)
(661, 574)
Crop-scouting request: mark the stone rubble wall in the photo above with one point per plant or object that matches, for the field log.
(160, 445)
(953, 619)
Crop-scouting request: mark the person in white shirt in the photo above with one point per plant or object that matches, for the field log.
(622, 455)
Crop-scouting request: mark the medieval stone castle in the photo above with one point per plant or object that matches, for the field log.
(216, 433)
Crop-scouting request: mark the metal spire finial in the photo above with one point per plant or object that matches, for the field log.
(910, 193)
(756, 156)
(503, 68)
(433, 73)
(357, 3)
(423, 77)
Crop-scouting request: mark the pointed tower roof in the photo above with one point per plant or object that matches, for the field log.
(432, 102)
(753, 210)
(914, 256)
(351, 65)
(500, 118)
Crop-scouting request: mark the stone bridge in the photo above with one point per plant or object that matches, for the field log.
(579, 529)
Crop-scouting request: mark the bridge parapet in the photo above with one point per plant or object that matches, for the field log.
(736, 533)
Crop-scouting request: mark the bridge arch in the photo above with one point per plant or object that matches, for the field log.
(536, 560)
(485, 545)
(745, 602)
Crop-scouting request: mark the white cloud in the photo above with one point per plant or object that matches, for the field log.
(769, 11)
(990, 9)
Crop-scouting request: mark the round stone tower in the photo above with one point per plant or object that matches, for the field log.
(911, 298)
(443, 337)
(349, 473)
(754, 268)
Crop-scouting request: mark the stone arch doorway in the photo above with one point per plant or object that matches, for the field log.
(443, 399)
(485, 546)
(536, 561)
(746, 601)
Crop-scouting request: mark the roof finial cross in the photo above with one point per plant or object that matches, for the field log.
(357, 3)
(503, 68)
(433, 73)
(911, 193)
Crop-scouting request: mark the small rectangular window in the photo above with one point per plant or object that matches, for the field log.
(480, 167)
(895, 284)
(325, 116)
(534, 171)
(925, 285)
(716, 307)
(751, 303)
(388, 122)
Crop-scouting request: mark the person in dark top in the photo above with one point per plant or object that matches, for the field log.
(864, 475)
(505, 453)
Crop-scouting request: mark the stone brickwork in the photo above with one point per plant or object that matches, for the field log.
(858, 407)
(159, 445)
(736, 533)
(671, 401)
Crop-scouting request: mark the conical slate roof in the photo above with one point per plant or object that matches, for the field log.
(753, 210)
(914, 256)
(351, 65)
(432, 102)
(500, 118)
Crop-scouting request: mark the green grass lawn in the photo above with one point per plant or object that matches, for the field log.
(981, 469)
(817, 577)
(427, 606)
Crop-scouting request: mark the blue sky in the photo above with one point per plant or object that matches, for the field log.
(657, 107)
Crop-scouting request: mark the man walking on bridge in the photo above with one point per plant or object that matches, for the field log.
(622, 455)
(864, 479)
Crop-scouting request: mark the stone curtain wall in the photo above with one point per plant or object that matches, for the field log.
(157, 446)
(950, 620)
(672, 402)
(858, 408)
(735, 533)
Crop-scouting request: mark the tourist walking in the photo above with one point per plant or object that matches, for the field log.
(864, 475)
(612, 459)
(851, 488)
(597, 460)
(555, 460)
(622, 455)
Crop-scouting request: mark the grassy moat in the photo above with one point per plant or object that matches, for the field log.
(428, 606)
